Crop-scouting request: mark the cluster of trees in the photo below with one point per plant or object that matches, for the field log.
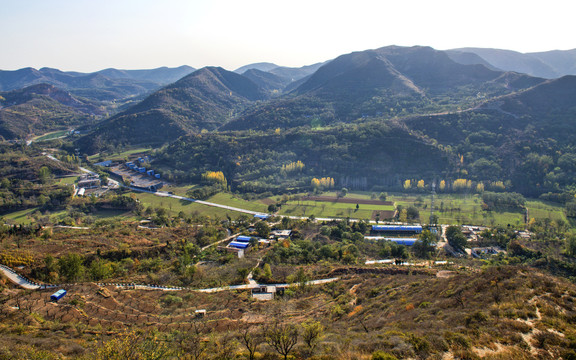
(215, 177)
(308, 252)
(297, 166)
(322, 183)
(457, 185)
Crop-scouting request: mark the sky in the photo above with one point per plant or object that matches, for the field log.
(90, 35)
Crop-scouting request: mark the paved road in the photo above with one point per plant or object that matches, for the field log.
(18, 279)
(27, 284)
(254, 285)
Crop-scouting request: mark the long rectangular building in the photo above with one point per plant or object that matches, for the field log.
(397, 229)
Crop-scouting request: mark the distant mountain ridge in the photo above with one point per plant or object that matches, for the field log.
(547, 64)
(108, 84)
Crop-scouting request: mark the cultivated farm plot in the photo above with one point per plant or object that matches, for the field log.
(334, 209)
(467, 209)
(122, 155)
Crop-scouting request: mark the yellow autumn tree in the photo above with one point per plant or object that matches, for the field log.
(407, 184)
(420, 185)
(214, 177)
(461, 184)
(497, 185)
(325, 183)
(442, 185)
(297, 166)
(480, 187)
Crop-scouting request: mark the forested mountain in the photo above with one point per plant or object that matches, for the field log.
(387, 82)
(356, 155)
(41, 108)
(526, 138)
(547, 64)
(203, 100)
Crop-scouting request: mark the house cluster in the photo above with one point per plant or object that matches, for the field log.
(87, 183)
(139, 166)
(242, 244)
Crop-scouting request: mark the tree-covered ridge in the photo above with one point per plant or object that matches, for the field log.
(363, 154)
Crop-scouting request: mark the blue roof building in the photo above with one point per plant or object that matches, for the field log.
(239, 245)
(243, 239)
(262, 216)
(398, 228)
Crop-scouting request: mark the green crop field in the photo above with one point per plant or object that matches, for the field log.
(51, 135)
(68, 180)
(231, 200)
(21, 217)
(467, 209)
(120, 156)
(175, 206)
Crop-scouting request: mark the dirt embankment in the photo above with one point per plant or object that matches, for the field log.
(382, 271)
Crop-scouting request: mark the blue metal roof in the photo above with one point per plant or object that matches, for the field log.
(415, 228)
(104, 163)
(403, 241)
(261, 216)
(238, 245)
(242, 238)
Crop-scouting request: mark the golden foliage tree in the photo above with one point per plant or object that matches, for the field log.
(442, 185)
(324, 183)
(407, 184)
(214, 177)
(297, 166)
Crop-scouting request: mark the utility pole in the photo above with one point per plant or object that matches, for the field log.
(432, 203)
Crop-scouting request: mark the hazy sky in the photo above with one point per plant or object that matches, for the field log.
(89, 35)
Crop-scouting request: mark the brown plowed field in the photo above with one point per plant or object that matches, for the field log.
(383, 214)
(347, 200)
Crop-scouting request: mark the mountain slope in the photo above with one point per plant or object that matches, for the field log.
(41, 108)
(267, 81)
(387, 82)
(200, 101)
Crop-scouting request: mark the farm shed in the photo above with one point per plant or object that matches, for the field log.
(262, 216)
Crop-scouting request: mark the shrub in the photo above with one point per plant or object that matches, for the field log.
(382, 355)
